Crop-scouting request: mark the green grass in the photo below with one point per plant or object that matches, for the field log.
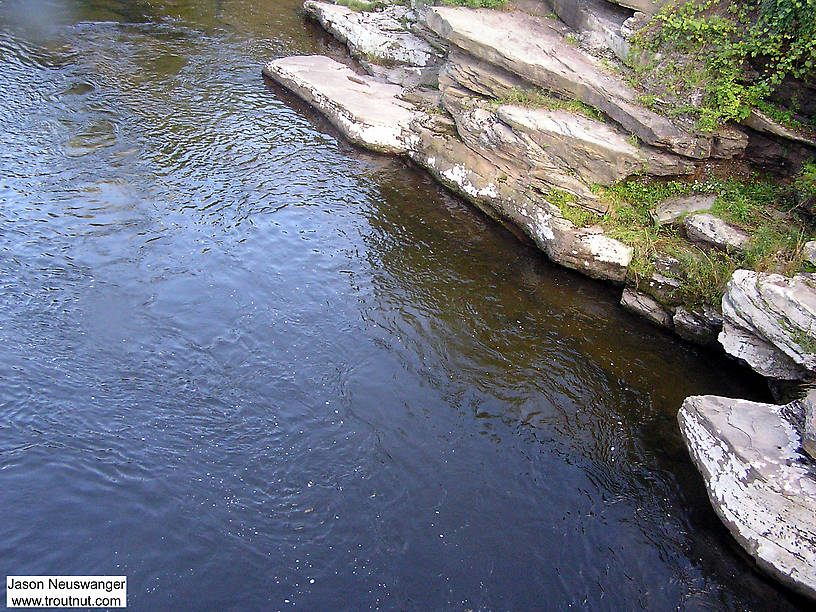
(543, 99)
(759, 205)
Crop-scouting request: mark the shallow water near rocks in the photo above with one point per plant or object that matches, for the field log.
(249, 366)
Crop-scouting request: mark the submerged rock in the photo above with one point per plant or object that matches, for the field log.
(758, 480)
(770, 323)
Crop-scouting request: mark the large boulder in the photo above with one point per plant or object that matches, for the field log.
(759, 482)
(770, 323)
(367, 111)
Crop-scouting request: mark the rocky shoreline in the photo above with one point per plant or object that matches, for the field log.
(441, 85)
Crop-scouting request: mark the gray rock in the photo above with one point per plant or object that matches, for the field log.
(480, 76)
(378, 35)
(808, 404)
(513, 150)
(810, 251)
(646, 306)
(599, 21)
(712, 231)
(699, 326)
(750, 458)
(534, 49)
(674, 208)
(729, 142)
(761, 122)
(770, 322)
(663, 288)
(366, 111)
(593, 149)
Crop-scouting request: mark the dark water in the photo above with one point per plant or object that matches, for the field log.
(251, 367)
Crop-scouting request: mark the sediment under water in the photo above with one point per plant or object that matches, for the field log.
(249, 366)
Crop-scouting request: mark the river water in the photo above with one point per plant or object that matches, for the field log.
(249, 366)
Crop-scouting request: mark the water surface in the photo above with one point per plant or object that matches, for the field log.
(251, 367)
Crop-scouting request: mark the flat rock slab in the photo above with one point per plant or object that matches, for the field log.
(535, 49)
(712, 231)
(369, 113)
(760, 483)
(672, 209)
(770, 323)
(378, 35)
(593, 149)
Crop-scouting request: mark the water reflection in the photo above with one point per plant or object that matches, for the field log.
(249, 366)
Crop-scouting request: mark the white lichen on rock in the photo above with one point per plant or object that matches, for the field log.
(758, 481)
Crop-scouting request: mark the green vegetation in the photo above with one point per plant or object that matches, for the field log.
(727, 57)
(759, 205)
(805, 181)
(541, 98)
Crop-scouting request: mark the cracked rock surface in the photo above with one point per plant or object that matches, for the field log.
(759, 481)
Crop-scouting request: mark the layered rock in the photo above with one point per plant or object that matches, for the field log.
(770, 323)
(759, 481)
(535, 49)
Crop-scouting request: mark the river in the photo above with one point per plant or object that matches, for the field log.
(250, 366)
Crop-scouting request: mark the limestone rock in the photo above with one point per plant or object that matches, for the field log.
(699, 326)
(514, 151)
(713, 231)
(600, 21)
(663, 288)
(674, 208)
(758, 482)
(366, 111)
(770, 322)
(534, 49)
(646, 306)
(374, 34)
